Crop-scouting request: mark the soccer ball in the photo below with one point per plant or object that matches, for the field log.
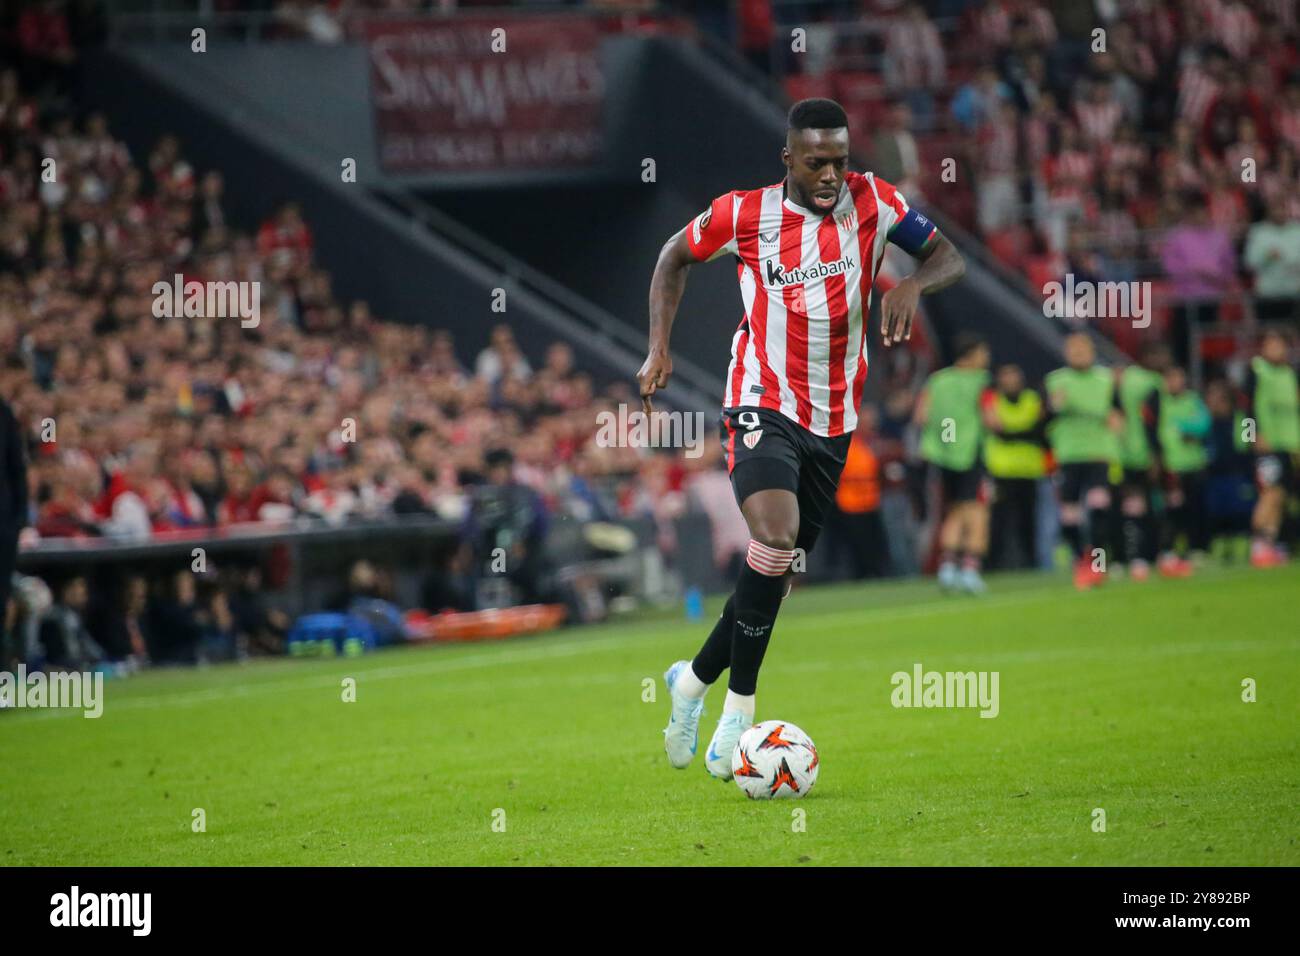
(774, 759)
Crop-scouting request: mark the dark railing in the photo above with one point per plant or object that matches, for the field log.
(154, 20)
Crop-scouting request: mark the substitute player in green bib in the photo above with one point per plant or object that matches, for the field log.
(1184, 427)
(1083, 432)
(950, 413)
(1140, 388)
(1275, 408)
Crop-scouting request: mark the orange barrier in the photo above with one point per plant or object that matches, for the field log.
(489, 625)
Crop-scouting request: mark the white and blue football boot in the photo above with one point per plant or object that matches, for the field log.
(682, 734)
(717, 761)
(969, 580)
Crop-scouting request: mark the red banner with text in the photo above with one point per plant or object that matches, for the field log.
(475, 95)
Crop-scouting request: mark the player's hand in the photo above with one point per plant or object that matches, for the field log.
(654, 375)
(897, 309)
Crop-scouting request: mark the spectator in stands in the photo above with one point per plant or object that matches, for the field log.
(998, 191)
(219, 637)
(501, 358)
(915, 65)
(1272, 253)
(895, 157)
(1201, 265)
(262, 627)
(208, 214)
(44, 40)
(63, 634)
(121, 618)
(1219, 128)
(977, 100)
(756, 32)
(174, 622)
(286, 237)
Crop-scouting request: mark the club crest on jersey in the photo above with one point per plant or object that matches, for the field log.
(848, 221)
(751, 438)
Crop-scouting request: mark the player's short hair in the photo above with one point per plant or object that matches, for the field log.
(965, 343)
(1152, 352)
(817, 114)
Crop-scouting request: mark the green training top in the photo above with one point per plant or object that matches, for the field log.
(953, 430)
(1277, 408)
(1082, 402)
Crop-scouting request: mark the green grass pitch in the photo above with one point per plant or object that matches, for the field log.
(1127, 699)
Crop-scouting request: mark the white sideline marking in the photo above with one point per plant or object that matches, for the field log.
(507, 656)
(572, 648)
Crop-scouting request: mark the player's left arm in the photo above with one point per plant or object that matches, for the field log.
(921, 414)
(941, 266)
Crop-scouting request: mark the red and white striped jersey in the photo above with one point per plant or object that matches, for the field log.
(805, 281)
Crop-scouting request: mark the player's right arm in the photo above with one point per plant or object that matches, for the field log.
(921, 414)
(710, 234)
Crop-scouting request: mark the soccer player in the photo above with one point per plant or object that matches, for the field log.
(1184, 426)
(1139, 397)
(807, 250)
(1273, 404)
(950, 414)
(1083, 434)
(1016, 460)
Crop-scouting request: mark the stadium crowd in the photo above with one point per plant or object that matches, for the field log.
(1145, 140)
(139, 426)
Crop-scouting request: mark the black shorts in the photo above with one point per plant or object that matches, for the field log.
(1077, 479)
(767, 450)
(962, 486)
(1137, 480)
(1275, 469)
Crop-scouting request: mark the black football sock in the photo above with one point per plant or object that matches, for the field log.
(1074, 538)
(1150, 536)
(1134, 546)
(715, 656)
(758, 598)
(1099, 534)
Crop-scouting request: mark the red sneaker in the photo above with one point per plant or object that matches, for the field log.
(1266, 557)
(1172, 566)
(1084, 576)
(1139, 571)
